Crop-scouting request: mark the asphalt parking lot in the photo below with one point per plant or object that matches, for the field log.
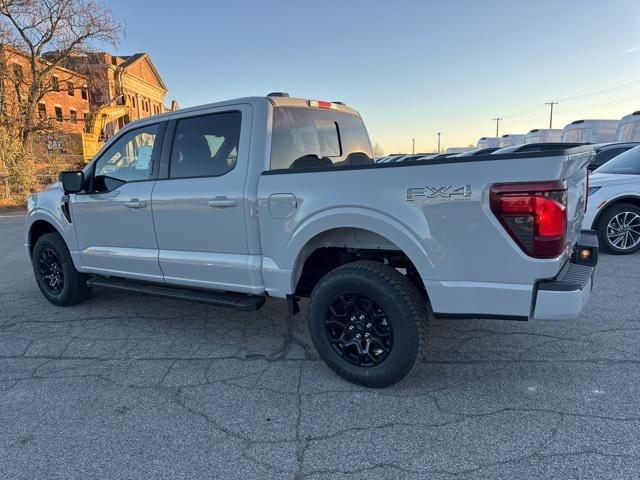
(126, 386)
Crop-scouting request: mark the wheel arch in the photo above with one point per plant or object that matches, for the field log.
(632, 199)
(354, 230)
(37, 229)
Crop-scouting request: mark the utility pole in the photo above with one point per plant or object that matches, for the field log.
(497, 120)
(551, 104)
(413, 146)
(439, 133)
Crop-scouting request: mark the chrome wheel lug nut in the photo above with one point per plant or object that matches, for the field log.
(369, 325)
(361, 317)
(366, 335)
(350, 327)
(358, 336)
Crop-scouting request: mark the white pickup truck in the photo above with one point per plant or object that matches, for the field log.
(236, 201)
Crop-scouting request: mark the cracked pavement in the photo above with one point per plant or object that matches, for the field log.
(126, 386)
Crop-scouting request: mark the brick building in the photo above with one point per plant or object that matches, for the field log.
(92, 97)
(123, 80)
(64, 108)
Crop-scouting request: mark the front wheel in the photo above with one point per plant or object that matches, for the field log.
(619, 229)
(57, 277)
(368, 323)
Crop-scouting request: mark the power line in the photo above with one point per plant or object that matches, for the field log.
(575, 97)
(604, 90)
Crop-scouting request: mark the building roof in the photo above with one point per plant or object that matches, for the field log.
(131, 59)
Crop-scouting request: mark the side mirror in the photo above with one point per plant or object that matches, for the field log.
(71, 181)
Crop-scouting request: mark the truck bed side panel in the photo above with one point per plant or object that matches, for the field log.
(437, 214)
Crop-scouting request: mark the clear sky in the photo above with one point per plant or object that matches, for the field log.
(412, 68)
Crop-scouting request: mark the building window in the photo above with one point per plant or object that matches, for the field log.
(70, 89)
(55, 83)
(83, 93)
(73, 115)
(42, 111)
(17, 71)
(114, 61)
(86, 118)
(135, 103)
(58, 110)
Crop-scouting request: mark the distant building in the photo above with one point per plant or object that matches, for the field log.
(131, 80)
(92, 97)
(63, 109)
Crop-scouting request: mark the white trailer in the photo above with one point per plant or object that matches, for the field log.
(544, 135)
(488, 142)
(590, 131)
(629, 128)
(510, 139)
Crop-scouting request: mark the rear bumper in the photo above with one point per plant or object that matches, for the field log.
(567, 295)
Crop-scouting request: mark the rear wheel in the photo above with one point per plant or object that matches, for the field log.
(619, 229)
(368, 323)
(57, 277)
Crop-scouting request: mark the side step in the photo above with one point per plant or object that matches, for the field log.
(239, 301)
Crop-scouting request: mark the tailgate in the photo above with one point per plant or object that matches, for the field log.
(575, 175)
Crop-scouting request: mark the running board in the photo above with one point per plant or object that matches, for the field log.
(239, 301)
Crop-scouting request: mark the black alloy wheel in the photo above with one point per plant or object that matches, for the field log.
(51, 272)
(358, 329)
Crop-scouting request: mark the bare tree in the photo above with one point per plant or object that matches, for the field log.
(58, 28)
(378, 150)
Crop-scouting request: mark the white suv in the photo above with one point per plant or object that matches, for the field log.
(614, 203)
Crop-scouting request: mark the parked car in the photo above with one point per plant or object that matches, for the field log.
(607, 151)
(629, 128)
(590, 131)
(536, 147)
(411, 158)
(488, 142)
(613, 209)
(511, 139)
(543, 135)
(477, 151)
(233, 202)
(456, 150)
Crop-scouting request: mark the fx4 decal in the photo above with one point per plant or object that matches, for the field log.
(439, 192)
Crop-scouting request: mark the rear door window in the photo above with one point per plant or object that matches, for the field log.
(317, 138)
(205, 146)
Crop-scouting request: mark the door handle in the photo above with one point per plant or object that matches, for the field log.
(222, 202)
(135, 204)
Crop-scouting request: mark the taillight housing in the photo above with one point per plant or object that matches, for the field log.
(534, 214)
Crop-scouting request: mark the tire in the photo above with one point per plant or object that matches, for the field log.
(51, 264)
(613, 221)
(395, 322)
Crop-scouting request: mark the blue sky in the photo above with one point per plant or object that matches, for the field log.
(411, 68)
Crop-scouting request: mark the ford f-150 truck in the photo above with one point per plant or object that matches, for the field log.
(236, 201)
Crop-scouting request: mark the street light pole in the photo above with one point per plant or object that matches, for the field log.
(439, 133)
(413, 146)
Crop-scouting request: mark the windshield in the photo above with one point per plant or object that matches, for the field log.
(627, 163)
(317, 138)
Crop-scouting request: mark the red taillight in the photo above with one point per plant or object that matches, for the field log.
(534, 214)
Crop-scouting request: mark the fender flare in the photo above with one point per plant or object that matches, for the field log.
(354, 217)
(66, 232)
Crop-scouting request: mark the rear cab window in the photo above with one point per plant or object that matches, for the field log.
(306, 137)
